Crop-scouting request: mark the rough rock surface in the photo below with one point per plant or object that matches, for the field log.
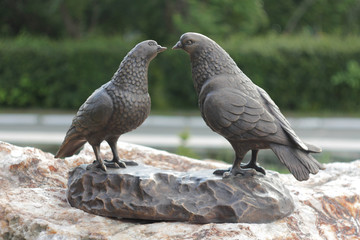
(33, 202)
(143, 192)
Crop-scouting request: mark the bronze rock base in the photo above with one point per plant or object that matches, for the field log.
(148, 193)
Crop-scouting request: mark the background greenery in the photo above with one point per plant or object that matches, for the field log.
(304, 53)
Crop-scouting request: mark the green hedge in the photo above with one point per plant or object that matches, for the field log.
(299, 72)
(302, 73)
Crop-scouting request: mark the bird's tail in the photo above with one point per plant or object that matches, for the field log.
(68, 148)
(313, 148)
(72, 142)
(299, 162)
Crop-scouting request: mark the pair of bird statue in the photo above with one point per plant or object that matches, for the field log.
(230, 104)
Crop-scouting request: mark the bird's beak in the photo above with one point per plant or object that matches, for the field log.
(177, 45)
(161, 49)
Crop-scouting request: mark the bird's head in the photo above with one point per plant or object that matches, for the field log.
(148, 49)
(192, 42)
(207, 58)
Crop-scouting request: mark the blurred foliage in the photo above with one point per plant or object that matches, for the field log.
(164, 20)
(299, 72)
(350, 77)
(47, 74)
(54, 53)
(314, 16)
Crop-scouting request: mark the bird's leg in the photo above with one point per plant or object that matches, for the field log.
(252, 163)
(116, 162)
(100, 163)
(235, 169)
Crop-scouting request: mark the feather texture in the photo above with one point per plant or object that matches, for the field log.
(117, 107)
(233, 106)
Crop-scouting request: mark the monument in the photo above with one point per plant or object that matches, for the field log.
(231, 105)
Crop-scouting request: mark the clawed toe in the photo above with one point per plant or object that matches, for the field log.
(254, 166)
(226, 173)
(130, 163)
(111, 164)
(96, 164)
(243, 170)
(119, 164)
(238, 171)
(221, 172)
(115, 164)
(260, 169)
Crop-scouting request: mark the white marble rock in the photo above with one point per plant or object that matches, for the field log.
(33, 201)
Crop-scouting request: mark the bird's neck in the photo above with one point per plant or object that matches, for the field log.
(209, 62)
(132, 75)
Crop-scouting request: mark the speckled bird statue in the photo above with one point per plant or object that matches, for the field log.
(117, 107)
(243, 113)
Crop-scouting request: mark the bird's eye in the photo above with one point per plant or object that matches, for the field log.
(189, 42)
(151, 44)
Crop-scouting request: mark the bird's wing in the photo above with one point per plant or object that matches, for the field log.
(92, 117)
(275, 111)
(94, 114)
(233, 114)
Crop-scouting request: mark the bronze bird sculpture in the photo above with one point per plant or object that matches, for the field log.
(243, 113)
(117, 107)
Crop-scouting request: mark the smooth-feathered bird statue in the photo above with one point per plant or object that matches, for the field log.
(117, 107)
(234, 107)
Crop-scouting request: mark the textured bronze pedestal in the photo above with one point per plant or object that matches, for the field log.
(144, 192)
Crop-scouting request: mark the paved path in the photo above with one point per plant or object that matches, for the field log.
(333, 134)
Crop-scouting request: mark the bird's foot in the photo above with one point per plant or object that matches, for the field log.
(130, 163)
(115, 163)
(96, 165)
(226, 173)
(239, 171)
(220, 172)
(254, 166)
